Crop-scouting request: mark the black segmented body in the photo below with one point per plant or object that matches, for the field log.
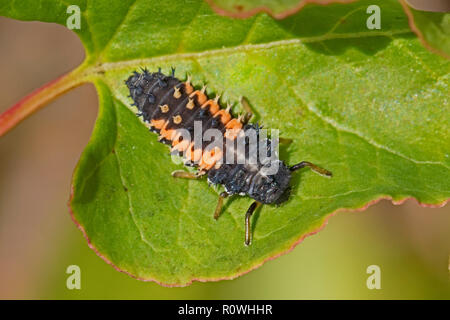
(168, 104)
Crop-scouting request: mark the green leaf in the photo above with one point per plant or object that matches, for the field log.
(433, 28)
(277, 8)
(369, 105)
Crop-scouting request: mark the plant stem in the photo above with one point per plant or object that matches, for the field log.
(38, 99)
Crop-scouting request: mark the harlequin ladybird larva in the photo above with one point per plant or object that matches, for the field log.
(172, 108)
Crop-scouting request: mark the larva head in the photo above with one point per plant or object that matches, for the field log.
(271, 188)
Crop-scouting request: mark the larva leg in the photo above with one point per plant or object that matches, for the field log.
(185, 175)
(248, 215)
(313, 167)
(222, 196)
(285, 140)
(248, 110)
(249, 114)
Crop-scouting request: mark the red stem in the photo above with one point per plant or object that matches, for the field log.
(36, 100)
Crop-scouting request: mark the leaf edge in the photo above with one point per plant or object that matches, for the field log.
(258, 264)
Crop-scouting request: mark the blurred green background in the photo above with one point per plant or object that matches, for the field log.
(38, 240)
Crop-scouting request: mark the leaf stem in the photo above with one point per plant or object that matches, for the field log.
(38, 99)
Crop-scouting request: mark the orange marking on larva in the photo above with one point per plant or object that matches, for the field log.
(234, 124)
(180, 146)
(210, 158)
(188, 88)
(176, 138)
(193, 154)
(201, 97)
(167, 134)
(213, 106)
(158, 124)
(225, 116)
(163, 131)
(232, 129)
